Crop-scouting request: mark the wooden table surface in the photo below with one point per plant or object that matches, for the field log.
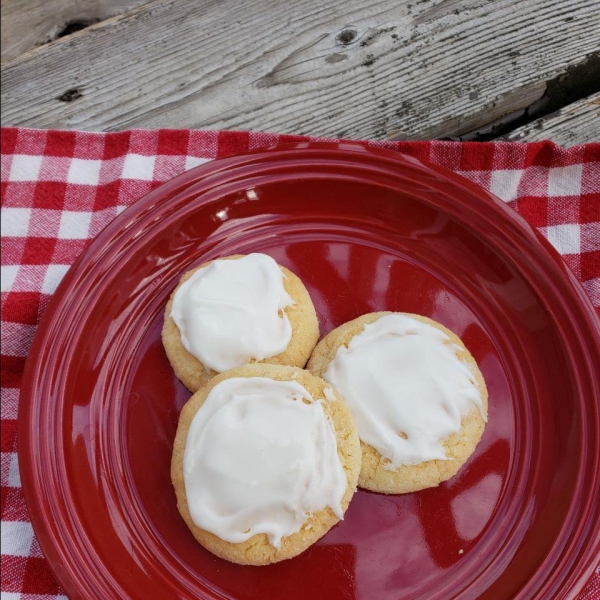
(375, 69)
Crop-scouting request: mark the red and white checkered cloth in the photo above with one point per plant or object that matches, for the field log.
(59, 189)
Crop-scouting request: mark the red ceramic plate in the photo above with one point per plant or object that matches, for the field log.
(366, 230)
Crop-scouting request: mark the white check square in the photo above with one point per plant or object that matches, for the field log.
(16, 538)
(505, 183)
(74, 225)
(53, 277)
(565, 181)
(14, 222)
(8, 276)
(194, 161)
(84, 172)
(565, 238)
(138, 166)
(14, 477)
(25, 167)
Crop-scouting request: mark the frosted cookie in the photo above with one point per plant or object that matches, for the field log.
(416, 393)
(265, 461)
(233, 311)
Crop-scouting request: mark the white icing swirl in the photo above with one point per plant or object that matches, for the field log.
(231, 312)
(260, 460)
(406, 387)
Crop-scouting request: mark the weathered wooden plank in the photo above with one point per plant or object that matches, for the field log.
(30, 23)
(361, 69)
(577, 123)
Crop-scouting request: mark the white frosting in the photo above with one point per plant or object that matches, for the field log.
(260, 460)
(406, 387)
(231, 312)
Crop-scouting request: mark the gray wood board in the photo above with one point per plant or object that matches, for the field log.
(376, 69)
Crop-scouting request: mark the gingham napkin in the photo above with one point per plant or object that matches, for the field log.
(59, 189)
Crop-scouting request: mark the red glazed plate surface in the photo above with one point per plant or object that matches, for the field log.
(366, 230)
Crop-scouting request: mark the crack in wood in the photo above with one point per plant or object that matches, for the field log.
(74, 26)
(575, 83)
(577, 123)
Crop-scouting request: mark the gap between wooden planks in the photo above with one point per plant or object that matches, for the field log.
(376, 69)
(577, 123)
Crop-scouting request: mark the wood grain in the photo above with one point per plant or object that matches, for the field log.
(360, 69)
(577, 123)
(30, 23)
